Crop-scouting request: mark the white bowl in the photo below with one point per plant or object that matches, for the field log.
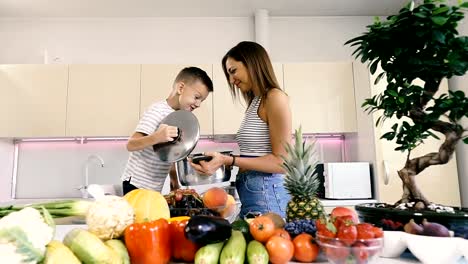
(463, 247)
(433, 250)
(394, 244)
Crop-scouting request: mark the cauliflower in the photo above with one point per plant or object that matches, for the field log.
(108, 217)
(23, 236)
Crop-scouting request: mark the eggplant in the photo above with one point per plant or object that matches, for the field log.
(203, 230)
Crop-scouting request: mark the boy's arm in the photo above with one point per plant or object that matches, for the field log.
(139, 140)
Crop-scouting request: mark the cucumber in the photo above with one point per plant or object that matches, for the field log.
(243, 226)
(257, 253)
(209, 254)
(234, 250)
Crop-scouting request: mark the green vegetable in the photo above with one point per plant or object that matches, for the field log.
(88, 247)
(56, 208)
(119, 248)
(257, 253)
(234, 250)
(243, 226)
(209, 254)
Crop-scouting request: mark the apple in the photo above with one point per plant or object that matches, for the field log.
(342, 211)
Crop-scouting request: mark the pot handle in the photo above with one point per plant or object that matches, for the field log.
(386, 172)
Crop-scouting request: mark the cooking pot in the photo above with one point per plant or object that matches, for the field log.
(188, 176)
(179, 150)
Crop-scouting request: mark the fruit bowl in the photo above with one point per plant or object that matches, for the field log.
(339, 251)
(229, 212)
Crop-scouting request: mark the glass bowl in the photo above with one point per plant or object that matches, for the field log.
(340, 251)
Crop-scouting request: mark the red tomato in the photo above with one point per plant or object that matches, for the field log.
(262, 228)
(282, 233)
(280, 250)
(305, 248)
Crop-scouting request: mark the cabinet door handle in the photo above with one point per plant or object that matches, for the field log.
(386, 177)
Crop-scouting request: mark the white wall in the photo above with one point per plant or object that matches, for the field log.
(171, 40)
(6, 168)
(461, 83)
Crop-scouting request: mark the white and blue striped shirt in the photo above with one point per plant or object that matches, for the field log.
(253, 136)
(143, 169)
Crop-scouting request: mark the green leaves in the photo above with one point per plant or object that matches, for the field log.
(17, 237)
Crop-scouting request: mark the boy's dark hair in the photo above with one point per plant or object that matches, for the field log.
(193, 74)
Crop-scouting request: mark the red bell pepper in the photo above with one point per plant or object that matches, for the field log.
(149, 242)
(182, 248)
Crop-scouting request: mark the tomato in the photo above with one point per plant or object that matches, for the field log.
(305, 249)
(340, 211)
(280, 250)
(282, 233)
(262, 228)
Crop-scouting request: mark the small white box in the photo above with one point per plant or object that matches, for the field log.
(347, 180)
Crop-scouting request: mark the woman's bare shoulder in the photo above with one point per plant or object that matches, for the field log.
(276, 96)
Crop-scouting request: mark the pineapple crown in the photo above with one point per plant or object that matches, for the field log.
(300, 166)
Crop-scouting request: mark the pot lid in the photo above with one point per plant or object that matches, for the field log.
(188, 135)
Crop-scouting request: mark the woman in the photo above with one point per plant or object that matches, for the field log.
(265, 129)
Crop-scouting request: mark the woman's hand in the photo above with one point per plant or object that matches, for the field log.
(210, 167)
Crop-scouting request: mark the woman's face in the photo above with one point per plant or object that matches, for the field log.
(238, 75)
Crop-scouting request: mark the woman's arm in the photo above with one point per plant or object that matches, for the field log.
(278, 116)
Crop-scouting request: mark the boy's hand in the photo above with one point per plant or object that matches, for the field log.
(165, 133)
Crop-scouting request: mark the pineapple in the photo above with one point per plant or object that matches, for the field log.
(301, 180)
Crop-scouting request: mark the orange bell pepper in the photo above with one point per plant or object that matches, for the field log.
(182, 248)
(149, 242)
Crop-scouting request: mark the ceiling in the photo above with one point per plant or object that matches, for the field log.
(196, 8)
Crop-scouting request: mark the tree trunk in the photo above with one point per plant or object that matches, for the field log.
(411, 192)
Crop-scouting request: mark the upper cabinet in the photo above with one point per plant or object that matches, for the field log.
(228, 111)
(33, 100)
(156, 85)
(321, 96)
(103, 100)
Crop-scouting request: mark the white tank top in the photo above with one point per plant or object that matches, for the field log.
(253, 136)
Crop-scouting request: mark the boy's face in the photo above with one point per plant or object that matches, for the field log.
(191, 95)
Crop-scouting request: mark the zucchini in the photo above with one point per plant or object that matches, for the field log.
(209, 254)
(203, 230)
(234, 250)
(119, 249)
(257, 253)
(243, 226)
(88, 247)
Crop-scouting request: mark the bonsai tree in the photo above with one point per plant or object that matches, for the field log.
(420, 42)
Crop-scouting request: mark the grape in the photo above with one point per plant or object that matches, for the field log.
(300, 226)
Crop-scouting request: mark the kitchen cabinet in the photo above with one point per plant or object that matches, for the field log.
(103, 100)
(229, 112)
(438, 183)
(156, 85)
(321, 96)
(33, 101)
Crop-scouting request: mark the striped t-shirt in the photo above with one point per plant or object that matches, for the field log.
(143, 169)
(253, 136)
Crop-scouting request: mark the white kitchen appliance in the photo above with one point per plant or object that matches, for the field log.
(347, 180)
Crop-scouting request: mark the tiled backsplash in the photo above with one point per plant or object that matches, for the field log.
(56, 169)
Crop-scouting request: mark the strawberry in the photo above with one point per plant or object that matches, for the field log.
(337, 251)
(360, 251)
(325, 228)
(347, 233)
(339, 220)
(365, 231)
(378, 232)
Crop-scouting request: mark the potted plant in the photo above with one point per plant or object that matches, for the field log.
(420, 43)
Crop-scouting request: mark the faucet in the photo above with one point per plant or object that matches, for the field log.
(92, 157)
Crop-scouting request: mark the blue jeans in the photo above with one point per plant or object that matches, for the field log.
(262, 192)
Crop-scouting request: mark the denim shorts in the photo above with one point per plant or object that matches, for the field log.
(261, 192)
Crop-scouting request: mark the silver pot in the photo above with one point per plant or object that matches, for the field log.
(189, 177)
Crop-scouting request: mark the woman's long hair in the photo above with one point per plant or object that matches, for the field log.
(258, 64)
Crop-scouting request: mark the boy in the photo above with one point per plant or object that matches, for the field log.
(143, 170)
